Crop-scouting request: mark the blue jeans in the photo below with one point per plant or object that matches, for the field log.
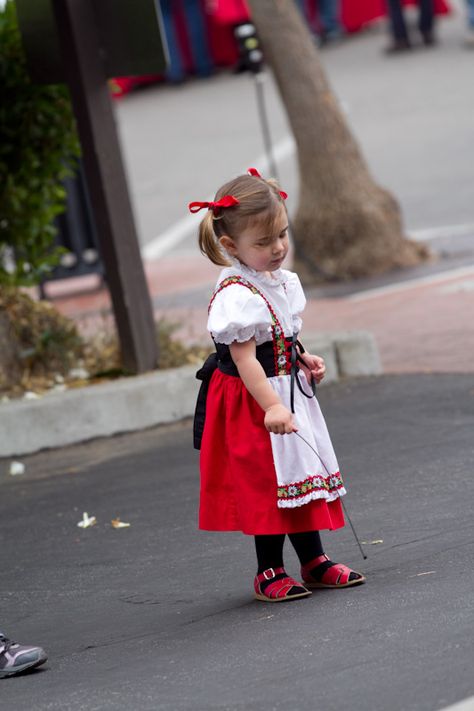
(196, 31)
(470, 13)
(328, 11)
(397, 20)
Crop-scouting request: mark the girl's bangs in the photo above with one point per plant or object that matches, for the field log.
(265, 221)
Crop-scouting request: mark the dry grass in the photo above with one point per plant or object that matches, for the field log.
(40, 349)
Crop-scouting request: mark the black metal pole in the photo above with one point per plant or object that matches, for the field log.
(81, 54)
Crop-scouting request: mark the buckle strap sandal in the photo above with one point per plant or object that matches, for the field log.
(323, 573)
(275, 585)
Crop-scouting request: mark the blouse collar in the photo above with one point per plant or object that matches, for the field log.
(276, 279)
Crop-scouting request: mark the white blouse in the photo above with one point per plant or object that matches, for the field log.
(238, 315)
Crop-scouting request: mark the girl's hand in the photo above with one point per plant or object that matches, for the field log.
(313, 366)
(279, 420)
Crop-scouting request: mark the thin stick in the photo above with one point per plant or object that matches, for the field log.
(342, 502)
(353, 530)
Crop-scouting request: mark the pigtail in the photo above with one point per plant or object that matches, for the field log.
(208, 243)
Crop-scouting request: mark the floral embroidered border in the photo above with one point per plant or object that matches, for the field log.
(282, 360)
(315, 483)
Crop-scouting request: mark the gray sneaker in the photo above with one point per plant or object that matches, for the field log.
(16, 658)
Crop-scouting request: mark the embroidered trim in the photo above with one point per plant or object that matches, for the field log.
(310, 486)
(280, 352)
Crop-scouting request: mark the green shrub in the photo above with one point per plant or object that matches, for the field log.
(38, 149)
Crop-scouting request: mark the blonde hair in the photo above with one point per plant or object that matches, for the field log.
(259, 200)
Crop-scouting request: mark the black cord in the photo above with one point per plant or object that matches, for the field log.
(340, 497)
(294, 377)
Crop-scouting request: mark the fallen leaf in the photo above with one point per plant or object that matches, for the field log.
(117, 523)
(87, 521)
(17, 468)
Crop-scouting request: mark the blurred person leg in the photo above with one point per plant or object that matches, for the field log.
(17, 658)
(308, 16)
(301, 5)
(469, 42)
(398, 27)
(329, 14)
(426, 21)
(197, 33)
(175, 71)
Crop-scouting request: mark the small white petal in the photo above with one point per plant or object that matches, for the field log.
(17, 468)
(87, 520)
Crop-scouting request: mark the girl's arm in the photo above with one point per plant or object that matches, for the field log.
(278, 419)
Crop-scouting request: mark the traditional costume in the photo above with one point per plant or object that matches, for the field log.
(252, 480)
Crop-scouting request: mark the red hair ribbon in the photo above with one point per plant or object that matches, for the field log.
(254, 173)
(226, 201)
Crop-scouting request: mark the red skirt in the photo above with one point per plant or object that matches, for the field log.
(238, 478)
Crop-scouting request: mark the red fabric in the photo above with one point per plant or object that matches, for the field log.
(222, 43)
(123, 85)
(230, 12)
(357, 13)
(238, 479)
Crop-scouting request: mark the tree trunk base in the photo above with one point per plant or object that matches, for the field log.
(359, 237)
(356, 265)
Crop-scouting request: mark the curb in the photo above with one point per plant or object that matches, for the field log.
(130, 404)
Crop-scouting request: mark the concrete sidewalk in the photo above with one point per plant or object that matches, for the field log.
(421, 318)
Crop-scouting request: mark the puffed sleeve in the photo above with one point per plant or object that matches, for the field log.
(239, 315)
(296, 298)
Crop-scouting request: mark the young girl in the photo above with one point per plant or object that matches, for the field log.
(267, 464)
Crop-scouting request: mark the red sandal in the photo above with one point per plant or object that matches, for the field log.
(282, 588)
(323, 573)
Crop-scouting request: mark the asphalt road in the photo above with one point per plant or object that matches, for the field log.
(160, 616)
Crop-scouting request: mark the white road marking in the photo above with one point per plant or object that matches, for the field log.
(438, 278)
(164, 242)
(465, 705)
(430, 233)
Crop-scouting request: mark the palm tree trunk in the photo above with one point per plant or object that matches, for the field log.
(345, 226)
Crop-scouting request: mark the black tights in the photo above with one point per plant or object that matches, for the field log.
(270, 548)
